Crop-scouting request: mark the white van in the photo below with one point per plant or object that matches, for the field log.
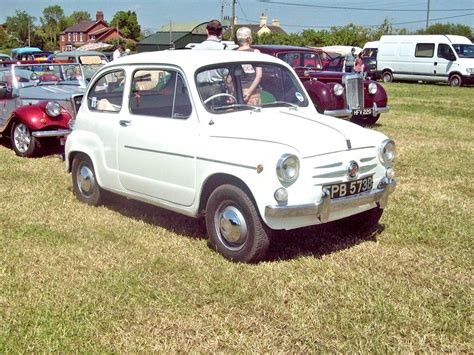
(434, 58)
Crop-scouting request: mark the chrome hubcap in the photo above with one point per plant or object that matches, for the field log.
(231, 226)
(85, 180)
(22, 138)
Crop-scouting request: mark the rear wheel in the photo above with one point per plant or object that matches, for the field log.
(387, 77)
(23, 142)
(455, 80)
(84, 181)
(234, 227)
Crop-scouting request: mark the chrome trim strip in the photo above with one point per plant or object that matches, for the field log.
(227, 163)
(365, 160)
(159, 152)
(55, 133)
(323, 209)
(332, 174)
(328, 166)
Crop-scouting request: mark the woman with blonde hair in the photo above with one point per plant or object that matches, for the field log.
(250, 80)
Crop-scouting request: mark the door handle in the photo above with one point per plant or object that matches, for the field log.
(125, 123)
(435, 63)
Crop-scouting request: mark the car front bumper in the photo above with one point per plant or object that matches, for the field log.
(326, 206)
(348, 113)
(52, 133)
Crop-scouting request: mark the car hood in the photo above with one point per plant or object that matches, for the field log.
(309, 134)
(50, 92)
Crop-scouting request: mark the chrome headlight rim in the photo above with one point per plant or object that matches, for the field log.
(470, 70)
(387, 152)
(53, 108)
(372, 88)
(338, 89)
(282, 168)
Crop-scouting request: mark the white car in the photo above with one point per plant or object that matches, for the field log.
(172, 129)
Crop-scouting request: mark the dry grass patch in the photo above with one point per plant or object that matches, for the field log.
(127, 277)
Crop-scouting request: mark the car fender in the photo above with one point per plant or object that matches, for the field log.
(322, 95)
(36, 118)
(380, 97)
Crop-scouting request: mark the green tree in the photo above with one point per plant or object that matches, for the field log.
(127, 23)
(448, 29)
(53, 22)
(21, 26)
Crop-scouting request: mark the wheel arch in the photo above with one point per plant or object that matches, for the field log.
(216, 180)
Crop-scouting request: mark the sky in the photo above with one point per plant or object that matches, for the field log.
(294, 15)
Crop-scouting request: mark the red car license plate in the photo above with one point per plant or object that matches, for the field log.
(362, 112)
(350, 188)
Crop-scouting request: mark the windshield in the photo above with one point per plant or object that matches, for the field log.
(47, 74)
(240, 86)
(464, 50)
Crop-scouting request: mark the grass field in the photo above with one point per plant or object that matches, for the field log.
(127, 277)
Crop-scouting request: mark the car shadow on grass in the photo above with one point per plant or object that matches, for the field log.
(315, 241)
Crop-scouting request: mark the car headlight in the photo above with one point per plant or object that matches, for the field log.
(288, 168)
(372, 88)
(387, 151)
(470, 70)
(338, 89)
(53, 108)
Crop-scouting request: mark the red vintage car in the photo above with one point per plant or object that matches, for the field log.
(37, 102)
(337, 94)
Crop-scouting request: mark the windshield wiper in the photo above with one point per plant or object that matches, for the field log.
(236, 106)
(278, 103)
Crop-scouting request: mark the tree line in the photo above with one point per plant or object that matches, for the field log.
(23, 29)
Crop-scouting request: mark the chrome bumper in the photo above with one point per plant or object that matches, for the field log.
(323, 209)
(55, 133)
(347, 113)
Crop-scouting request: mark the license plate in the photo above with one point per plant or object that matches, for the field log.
(350, 188)
(362, 112)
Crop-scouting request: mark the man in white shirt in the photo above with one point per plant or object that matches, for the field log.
(118, 52)
(214, 34)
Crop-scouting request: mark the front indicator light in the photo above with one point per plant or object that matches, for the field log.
(281, 195)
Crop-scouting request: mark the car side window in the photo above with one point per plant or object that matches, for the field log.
(445, 51)
(424, 50)
(107, 92)
(292, 59)
(160, 93)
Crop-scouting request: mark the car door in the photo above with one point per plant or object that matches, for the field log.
(444, 62)
(157, 137)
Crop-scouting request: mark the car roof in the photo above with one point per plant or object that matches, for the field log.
(282, 47)
(191, 59)
(78, 53)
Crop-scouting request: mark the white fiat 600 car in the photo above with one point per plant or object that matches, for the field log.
(179, 130)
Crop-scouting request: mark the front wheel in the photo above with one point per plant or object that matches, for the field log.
(84, 181)
(234, 227)
(455, 80)
(23, 142)
(387, 77)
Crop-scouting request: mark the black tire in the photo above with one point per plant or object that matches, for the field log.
(455, 80)
(387, 77)
(362, 223)
(84, 181)
(234, 227)
(23, 142)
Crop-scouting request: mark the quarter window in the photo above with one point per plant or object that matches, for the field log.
(107, 92)
(424, 50)
(160, 93)
(445, 51)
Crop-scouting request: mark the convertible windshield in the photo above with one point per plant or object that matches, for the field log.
(47, 74)
(464, 50)
(248, 86)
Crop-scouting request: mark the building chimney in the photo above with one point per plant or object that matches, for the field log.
(99, 16)
(263, 20)
(276, 23)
